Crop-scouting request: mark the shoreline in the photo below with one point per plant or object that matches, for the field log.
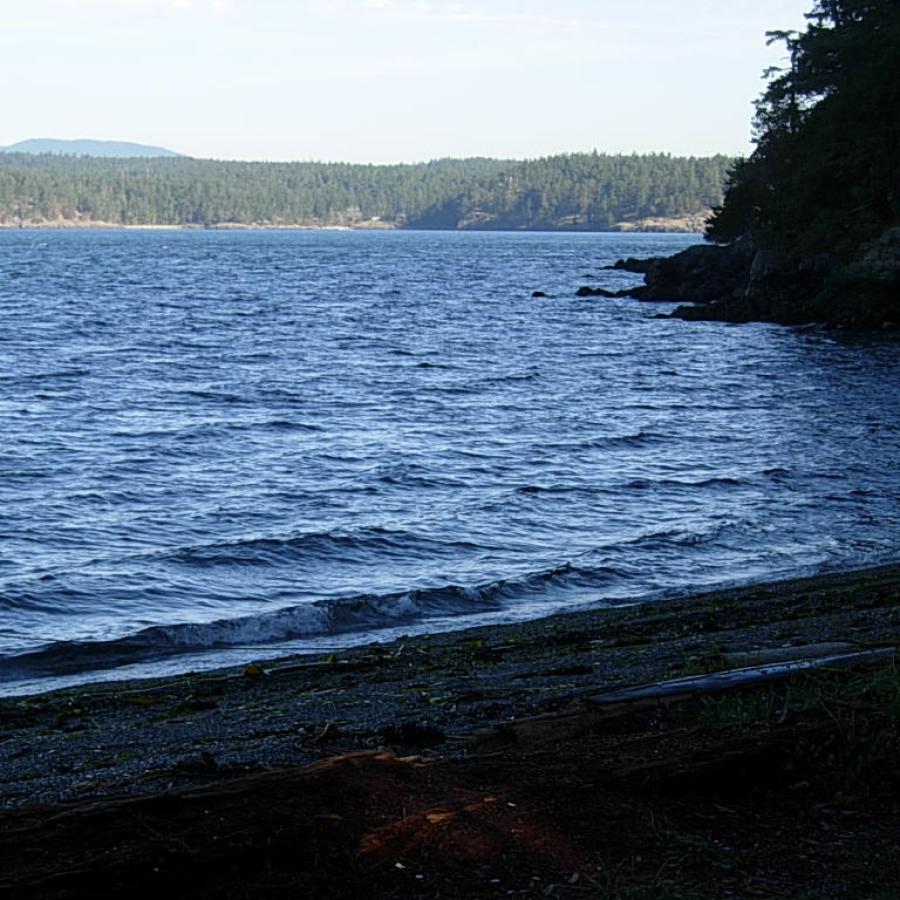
(447, 682)
(652, 227)
(488, 763)
(215, 662)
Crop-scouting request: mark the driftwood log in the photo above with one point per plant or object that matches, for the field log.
(593, 710)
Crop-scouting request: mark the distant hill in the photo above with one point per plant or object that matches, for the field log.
(572, 192)
(119, 149)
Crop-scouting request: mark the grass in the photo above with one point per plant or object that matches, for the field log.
(840, 737)
(858, 751)
(840, 696)
(627, 881)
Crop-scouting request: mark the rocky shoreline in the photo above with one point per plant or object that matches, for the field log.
(741, 283)
(692, 224)
(101, 740)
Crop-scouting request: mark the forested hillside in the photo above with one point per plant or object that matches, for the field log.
(577, 191)
(825, 175)
(809, 230)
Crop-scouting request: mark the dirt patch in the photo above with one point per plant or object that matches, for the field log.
(805, 805)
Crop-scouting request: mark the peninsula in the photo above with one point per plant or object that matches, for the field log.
(809, 229)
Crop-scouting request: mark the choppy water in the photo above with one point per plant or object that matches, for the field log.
(219, 446)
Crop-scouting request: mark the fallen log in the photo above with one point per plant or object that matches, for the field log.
(41, 816)
(747, 658)
(599, 708)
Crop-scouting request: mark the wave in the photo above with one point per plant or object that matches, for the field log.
(679, 537)
(40, 377)
(213, 429)
(290, 549)
(643, 484)
(635, 484)
(363, 612)
(631, 440)
(73, 590)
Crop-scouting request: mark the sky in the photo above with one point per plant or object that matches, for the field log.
(389, 80)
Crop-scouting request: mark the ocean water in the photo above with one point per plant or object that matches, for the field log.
(222, 446)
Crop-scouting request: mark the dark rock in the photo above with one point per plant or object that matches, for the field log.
(860, 295)
(412, 734)
(764, 268)
(538, 294)
(203, 764)
(822, 264)
(637, 266)
(587, 291)
(743, 283)
(703, 273)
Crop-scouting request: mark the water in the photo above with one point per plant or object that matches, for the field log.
(223, 446)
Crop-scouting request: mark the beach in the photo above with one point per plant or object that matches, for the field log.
(431, 715)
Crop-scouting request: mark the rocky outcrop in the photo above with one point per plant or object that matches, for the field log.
(866, 292)
(588, 291)
(638, 266)
(703, 273)
(741, 283)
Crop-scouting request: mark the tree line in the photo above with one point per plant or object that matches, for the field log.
(809, 230)
(825, 175)
(583, 191)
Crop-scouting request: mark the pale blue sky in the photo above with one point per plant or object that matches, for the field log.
(389, 80)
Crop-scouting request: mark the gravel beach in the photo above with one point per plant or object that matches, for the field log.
(388, 770)
(133, 738)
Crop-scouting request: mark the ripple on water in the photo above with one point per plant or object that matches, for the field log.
(257, 438)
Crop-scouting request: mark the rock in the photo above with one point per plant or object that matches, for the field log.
(881, 257)
(860, 294)
(701, 274)
(742, 283)
(587, 291)
(765, 267)
(538, 294)
(203, 764)
(637, 266)
(413, 734)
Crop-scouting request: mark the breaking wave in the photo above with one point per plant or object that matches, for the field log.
(365, 612)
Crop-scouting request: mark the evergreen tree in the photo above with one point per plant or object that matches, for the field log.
(825, 174)
(581, 191)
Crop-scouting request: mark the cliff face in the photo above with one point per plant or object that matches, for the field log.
(741, 283)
